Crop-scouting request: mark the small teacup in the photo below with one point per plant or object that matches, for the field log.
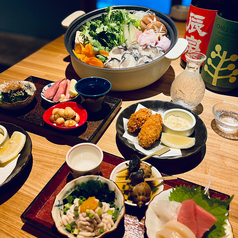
(93, 91)
(84, 159)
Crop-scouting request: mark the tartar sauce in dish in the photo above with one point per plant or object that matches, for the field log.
(177, 122)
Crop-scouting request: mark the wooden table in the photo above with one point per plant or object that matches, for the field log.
(52, 62)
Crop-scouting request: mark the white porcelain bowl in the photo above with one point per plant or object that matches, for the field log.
(181, 122)
(57, 210)
(84, 159)
(3, 135)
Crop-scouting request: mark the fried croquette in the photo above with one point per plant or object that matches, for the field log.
(137, 119)
(150, 131)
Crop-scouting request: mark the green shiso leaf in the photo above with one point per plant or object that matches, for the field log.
(215, 206)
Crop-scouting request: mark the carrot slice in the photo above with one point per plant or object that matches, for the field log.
(88, 56)
(88, 50)
(103, 52)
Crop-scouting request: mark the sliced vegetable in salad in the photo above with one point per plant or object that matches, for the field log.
(215, 206)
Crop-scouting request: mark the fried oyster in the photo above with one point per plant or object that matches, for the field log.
(137, 119)
(150, 131)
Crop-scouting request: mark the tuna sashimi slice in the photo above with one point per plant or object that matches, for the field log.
(187, 215)
(61, 90)
(51, 91)
(205, 221)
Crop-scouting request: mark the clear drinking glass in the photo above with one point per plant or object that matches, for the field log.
(188, 88)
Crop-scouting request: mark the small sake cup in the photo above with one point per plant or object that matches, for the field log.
(93, 91)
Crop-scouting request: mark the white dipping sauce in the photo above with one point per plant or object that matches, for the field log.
(176, 122)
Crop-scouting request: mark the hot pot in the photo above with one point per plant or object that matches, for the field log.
(126, 79)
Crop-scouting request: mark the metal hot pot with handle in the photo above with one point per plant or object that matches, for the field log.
(124, 79)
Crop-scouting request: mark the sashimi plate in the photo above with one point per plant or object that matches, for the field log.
(48, 100)
(152, 220)
(128, 200)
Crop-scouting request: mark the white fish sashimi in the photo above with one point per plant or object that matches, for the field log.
(175, 229)
(166, 210)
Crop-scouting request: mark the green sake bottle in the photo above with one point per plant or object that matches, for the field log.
(220, 70)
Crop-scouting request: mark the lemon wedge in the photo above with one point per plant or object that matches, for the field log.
(72, 91)
(12, 147)
(177, 142)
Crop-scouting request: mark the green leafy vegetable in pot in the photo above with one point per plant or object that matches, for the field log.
(108, 31)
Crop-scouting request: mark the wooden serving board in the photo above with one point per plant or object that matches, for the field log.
(31, 118)
(38, 213)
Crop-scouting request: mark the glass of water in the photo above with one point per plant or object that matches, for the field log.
(226, 116)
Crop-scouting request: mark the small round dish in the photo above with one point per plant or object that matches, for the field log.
(57, 210)
(179, 122)
(30, 89)
(50, 101)
(128, 200)
(84, 159)
(75, 106)
(152, 221)
(3, 134)
(226, 116)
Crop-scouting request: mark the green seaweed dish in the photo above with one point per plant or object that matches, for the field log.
(14, 96)
(92, 188)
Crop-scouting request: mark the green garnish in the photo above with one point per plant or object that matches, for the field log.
(89, 189)
(110, 212)
(215, 206)
(100, 211)
(14, 96)
(107, 31)
(115, 215)
(101, 230)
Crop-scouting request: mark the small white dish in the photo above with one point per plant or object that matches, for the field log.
(152, 220)
(123, 165)
(3, 135)
(182, 122)
(84, 159)
(57, 210)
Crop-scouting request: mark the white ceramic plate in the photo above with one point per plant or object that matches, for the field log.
(48, 100)
(155, 173)
(151, 220)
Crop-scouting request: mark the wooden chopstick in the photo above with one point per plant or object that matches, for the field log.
(159, 152)
(150, 179)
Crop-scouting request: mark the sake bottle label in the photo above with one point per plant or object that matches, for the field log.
(221, 67)
(198, 29)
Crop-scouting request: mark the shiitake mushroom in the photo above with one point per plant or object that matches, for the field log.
(137, 177)
(134, 164)
(141, 194)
